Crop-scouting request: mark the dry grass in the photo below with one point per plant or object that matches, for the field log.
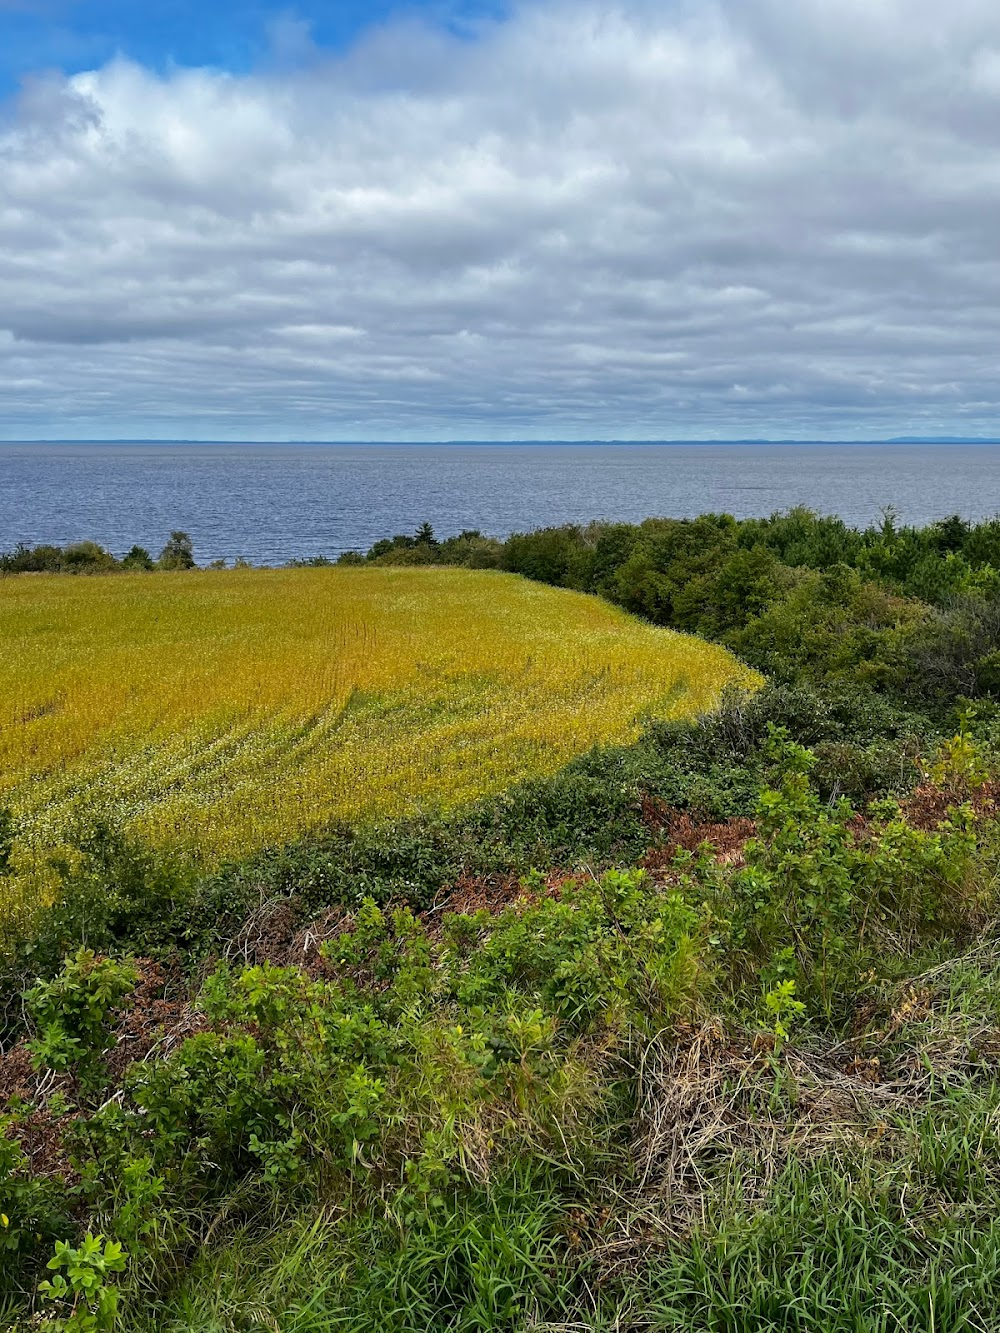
(721, 1109)
(710, 1098)
(224, 711)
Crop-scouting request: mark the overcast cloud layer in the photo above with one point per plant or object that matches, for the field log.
(750, 218)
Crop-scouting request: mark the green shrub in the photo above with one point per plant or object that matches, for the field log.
(114, 893)
(611, 950)
(34, 1211)
(72, 1015)
(84, 1300)
(823, 902)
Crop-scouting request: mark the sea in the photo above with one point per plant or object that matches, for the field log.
(271, 503)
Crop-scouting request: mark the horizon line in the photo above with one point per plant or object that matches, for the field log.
(526, 441)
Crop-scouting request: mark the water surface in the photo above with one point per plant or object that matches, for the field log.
(272, 502)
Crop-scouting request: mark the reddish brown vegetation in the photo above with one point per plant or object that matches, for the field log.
(40, 1132)
(681, 831)
(927, 806)
(158, 1017)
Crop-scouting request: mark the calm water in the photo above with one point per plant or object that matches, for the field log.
(270, 503)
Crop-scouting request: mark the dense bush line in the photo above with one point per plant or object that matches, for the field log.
(912, 612)
(88, 557)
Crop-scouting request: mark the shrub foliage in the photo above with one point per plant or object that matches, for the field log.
(698, 1031)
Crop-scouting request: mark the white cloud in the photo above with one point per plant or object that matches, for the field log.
(638, 220)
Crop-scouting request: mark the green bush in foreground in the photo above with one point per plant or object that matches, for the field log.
(458, 1103)
(72, 1015)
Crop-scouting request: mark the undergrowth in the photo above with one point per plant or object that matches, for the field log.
(712, 1095)
(698, 1033)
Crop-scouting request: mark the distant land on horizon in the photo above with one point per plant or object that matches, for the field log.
(535, 443)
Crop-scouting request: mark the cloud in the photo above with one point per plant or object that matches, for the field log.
(638, 220)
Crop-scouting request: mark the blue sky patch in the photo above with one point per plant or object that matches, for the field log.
(235, 35)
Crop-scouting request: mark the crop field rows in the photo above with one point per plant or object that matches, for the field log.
(218, 713)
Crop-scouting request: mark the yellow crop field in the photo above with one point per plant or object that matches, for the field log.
(223, 711)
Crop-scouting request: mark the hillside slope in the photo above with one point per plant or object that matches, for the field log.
(225, 711)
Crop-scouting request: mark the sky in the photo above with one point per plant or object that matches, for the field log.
(544, 219)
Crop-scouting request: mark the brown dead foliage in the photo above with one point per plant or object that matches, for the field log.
(927, 806)
(38, 1131)
(18, 1081)
(22, 1084)
(681, 831)
(305, 948)
(42, 1137)
(156, 1018)
(655, 812)
(274, 933)
(266, 935)
(159, 1016)
(482, 893)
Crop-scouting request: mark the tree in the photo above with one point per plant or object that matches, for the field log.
(87, 557)
(178, 552)
(137, 557)
(424, 535)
